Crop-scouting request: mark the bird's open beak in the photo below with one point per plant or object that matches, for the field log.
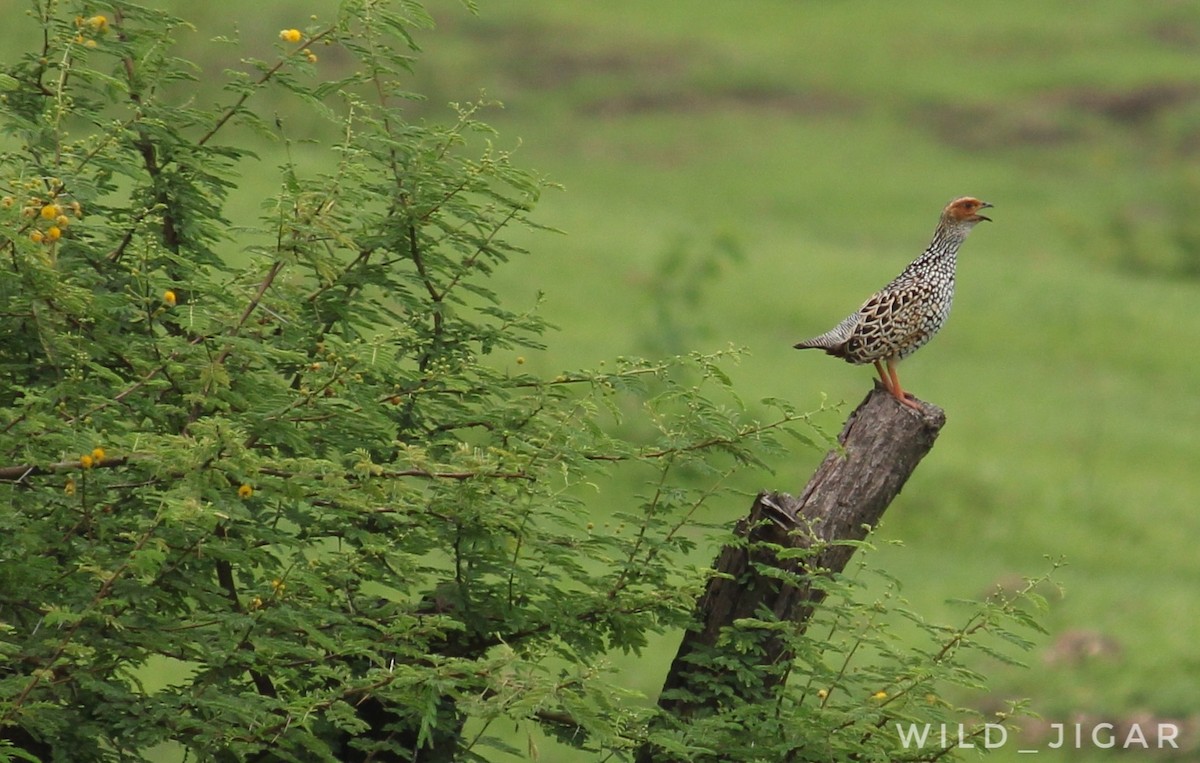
(984, 205)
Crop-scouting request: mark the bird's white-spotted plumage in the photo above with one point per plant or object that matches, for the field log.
(904, 315)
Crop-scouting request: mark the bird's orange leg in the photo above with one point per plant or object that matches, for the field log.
(883, 377)
(895, 388)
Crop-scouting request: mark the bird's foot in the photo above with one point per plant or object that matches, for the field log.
(908, 400)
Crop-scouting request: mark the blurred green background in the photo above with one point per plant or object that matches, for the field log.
(747, 173)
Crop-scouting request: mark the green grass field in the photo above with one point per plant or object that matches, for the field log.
(823, 139)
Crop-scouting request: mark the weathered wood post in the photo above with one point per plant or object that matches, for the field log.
(881, 444)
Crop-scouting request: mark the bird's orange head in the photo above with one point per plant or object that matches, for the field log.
(965, 210)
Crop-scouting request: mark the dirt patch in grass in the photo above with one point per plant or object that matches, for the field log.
(1130, 106)
(1053, 117)
(980, 126)
(1179, 29)
(610, 77)
(535, 54)
(805, 103)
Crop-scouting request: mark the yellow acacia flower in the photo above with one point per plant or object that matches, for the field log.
(98, 453)
(169, 298)
(245, 491)
(278, 585)
(36, 236)
(62, 221)
(86, 461)
(69, 488)
(312, 57)
(880, 694)
(290, 35)
(54, 233)
(99, 23)
(822, 693)
(51, 211)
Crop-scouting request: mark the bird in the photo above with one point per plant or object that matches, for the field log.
(903, 316)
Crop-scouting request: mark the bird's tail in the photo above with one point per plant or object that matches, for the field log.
(831, 341)
(823, 342)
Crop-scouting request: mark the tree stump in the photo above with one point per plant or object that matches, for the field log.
(881, 444)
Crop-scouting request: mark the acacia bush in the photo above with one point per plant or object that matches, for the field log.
(285, 492)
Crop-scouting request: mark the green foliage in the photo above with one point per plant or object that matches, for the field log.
(859, 681)
(292, 462)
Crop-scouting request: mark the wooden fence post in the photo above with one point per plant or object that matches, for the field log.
(881, 444)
